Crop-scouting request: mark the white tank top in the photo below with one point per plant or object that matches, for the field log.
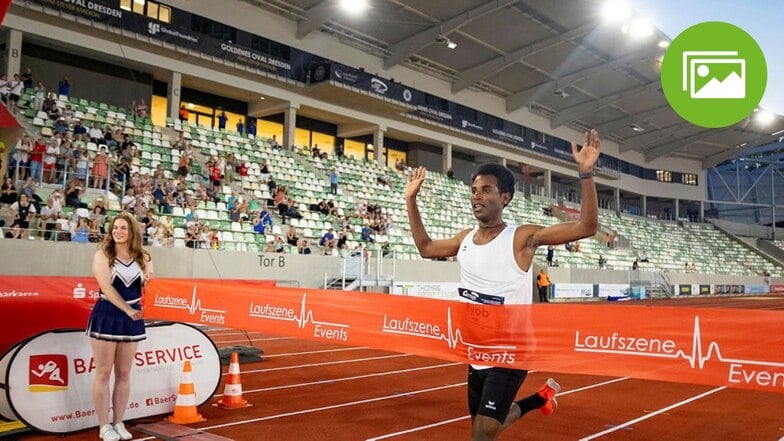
(491, 273)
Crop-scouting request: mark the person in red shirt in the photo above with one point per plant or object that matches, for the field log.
(216, 175)
(37, 159)
(244, 173)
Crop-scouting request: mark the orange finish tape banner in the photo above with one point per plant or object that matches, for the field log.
(722, 347)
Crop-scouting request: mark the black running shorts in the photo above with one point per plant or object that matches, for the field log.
(491, 392)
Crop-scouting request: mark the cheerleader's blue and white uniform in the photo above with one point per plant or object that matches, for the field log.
(106, 321)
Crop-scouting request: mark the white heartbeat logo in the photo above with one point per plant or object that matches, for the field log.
(696, 358)
(452, 337)
(181, 303)
(302, 318)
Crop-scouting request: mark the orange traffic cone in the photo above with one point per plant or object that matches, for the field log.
(232, 393)
(185, 408)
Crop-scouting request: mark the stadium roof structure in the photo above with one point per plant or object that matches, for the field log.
(559, 59)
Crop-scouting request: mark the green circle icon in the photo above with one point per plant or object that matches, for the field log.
(714, 74)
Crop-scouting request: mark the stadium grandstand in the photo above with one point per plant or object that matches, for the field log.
(272, 140)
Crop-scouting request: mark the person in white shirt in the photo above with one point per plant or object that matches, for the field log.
(50, 158)
(496, 262)
(15, 89)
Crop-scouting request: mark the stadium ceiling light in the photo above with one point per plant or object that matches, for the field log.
(640, 28)
(664, 44)
(354, 7)
(637, 128)
(445, 40)
(616, 11)
(765, 117)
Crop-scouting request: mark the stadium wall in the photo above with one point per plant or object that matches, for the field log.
(39, 258)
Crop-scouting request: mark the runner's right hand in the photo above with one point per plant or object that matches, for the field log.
(415, 180)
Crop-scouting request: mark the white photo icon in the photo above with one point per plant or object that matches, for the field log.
(701, 74)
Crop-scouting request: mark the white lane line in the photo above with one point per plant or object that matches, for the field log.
(652, 414)
(338, 380)
(417, 429)
(326, 363)
(454, 420)
(319, 409)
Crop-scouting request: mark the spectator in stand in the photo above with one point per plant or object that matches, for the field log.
(216, 174)
(64, 87)
(366, 234)
(240, 126)
(243, 169)
(100, 168)
(37, 159)
(21, 157)
(259, 227)
(49, 216)
(68, 114)
(275, 144)
(142, 110)
(334, 179)
(183, 114)
(342, 243)
(183, 167)
(222, 120)
(133, 108)
(15, 90)
(50, 107)
(95, 134)
(192, 236)
(29, 189)
(291, 236)
(450, 173)
(215, 241)
(60, 126)
(50, 160)
(282, 204)
(94, 235)
(644, 256)
(83, 166)
(328, 241)
(316, 152)
(293, 210)
(24, 213)
(252, 128)
(230, 168)
(27, 78)
(636, 265)
(8, 194)
(39, 95)
(79, 131)
(98, 216)
(303, 247)
(339, 152)
(550, 254)
(81, 232)
(264, 171)
(280, 244)
(602, 261)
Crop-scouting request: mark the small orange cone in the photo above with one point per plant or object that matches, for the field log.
(185, 408)
(232, 393)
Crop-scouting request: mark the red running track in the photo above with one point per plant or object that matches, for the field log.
(307, 390)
